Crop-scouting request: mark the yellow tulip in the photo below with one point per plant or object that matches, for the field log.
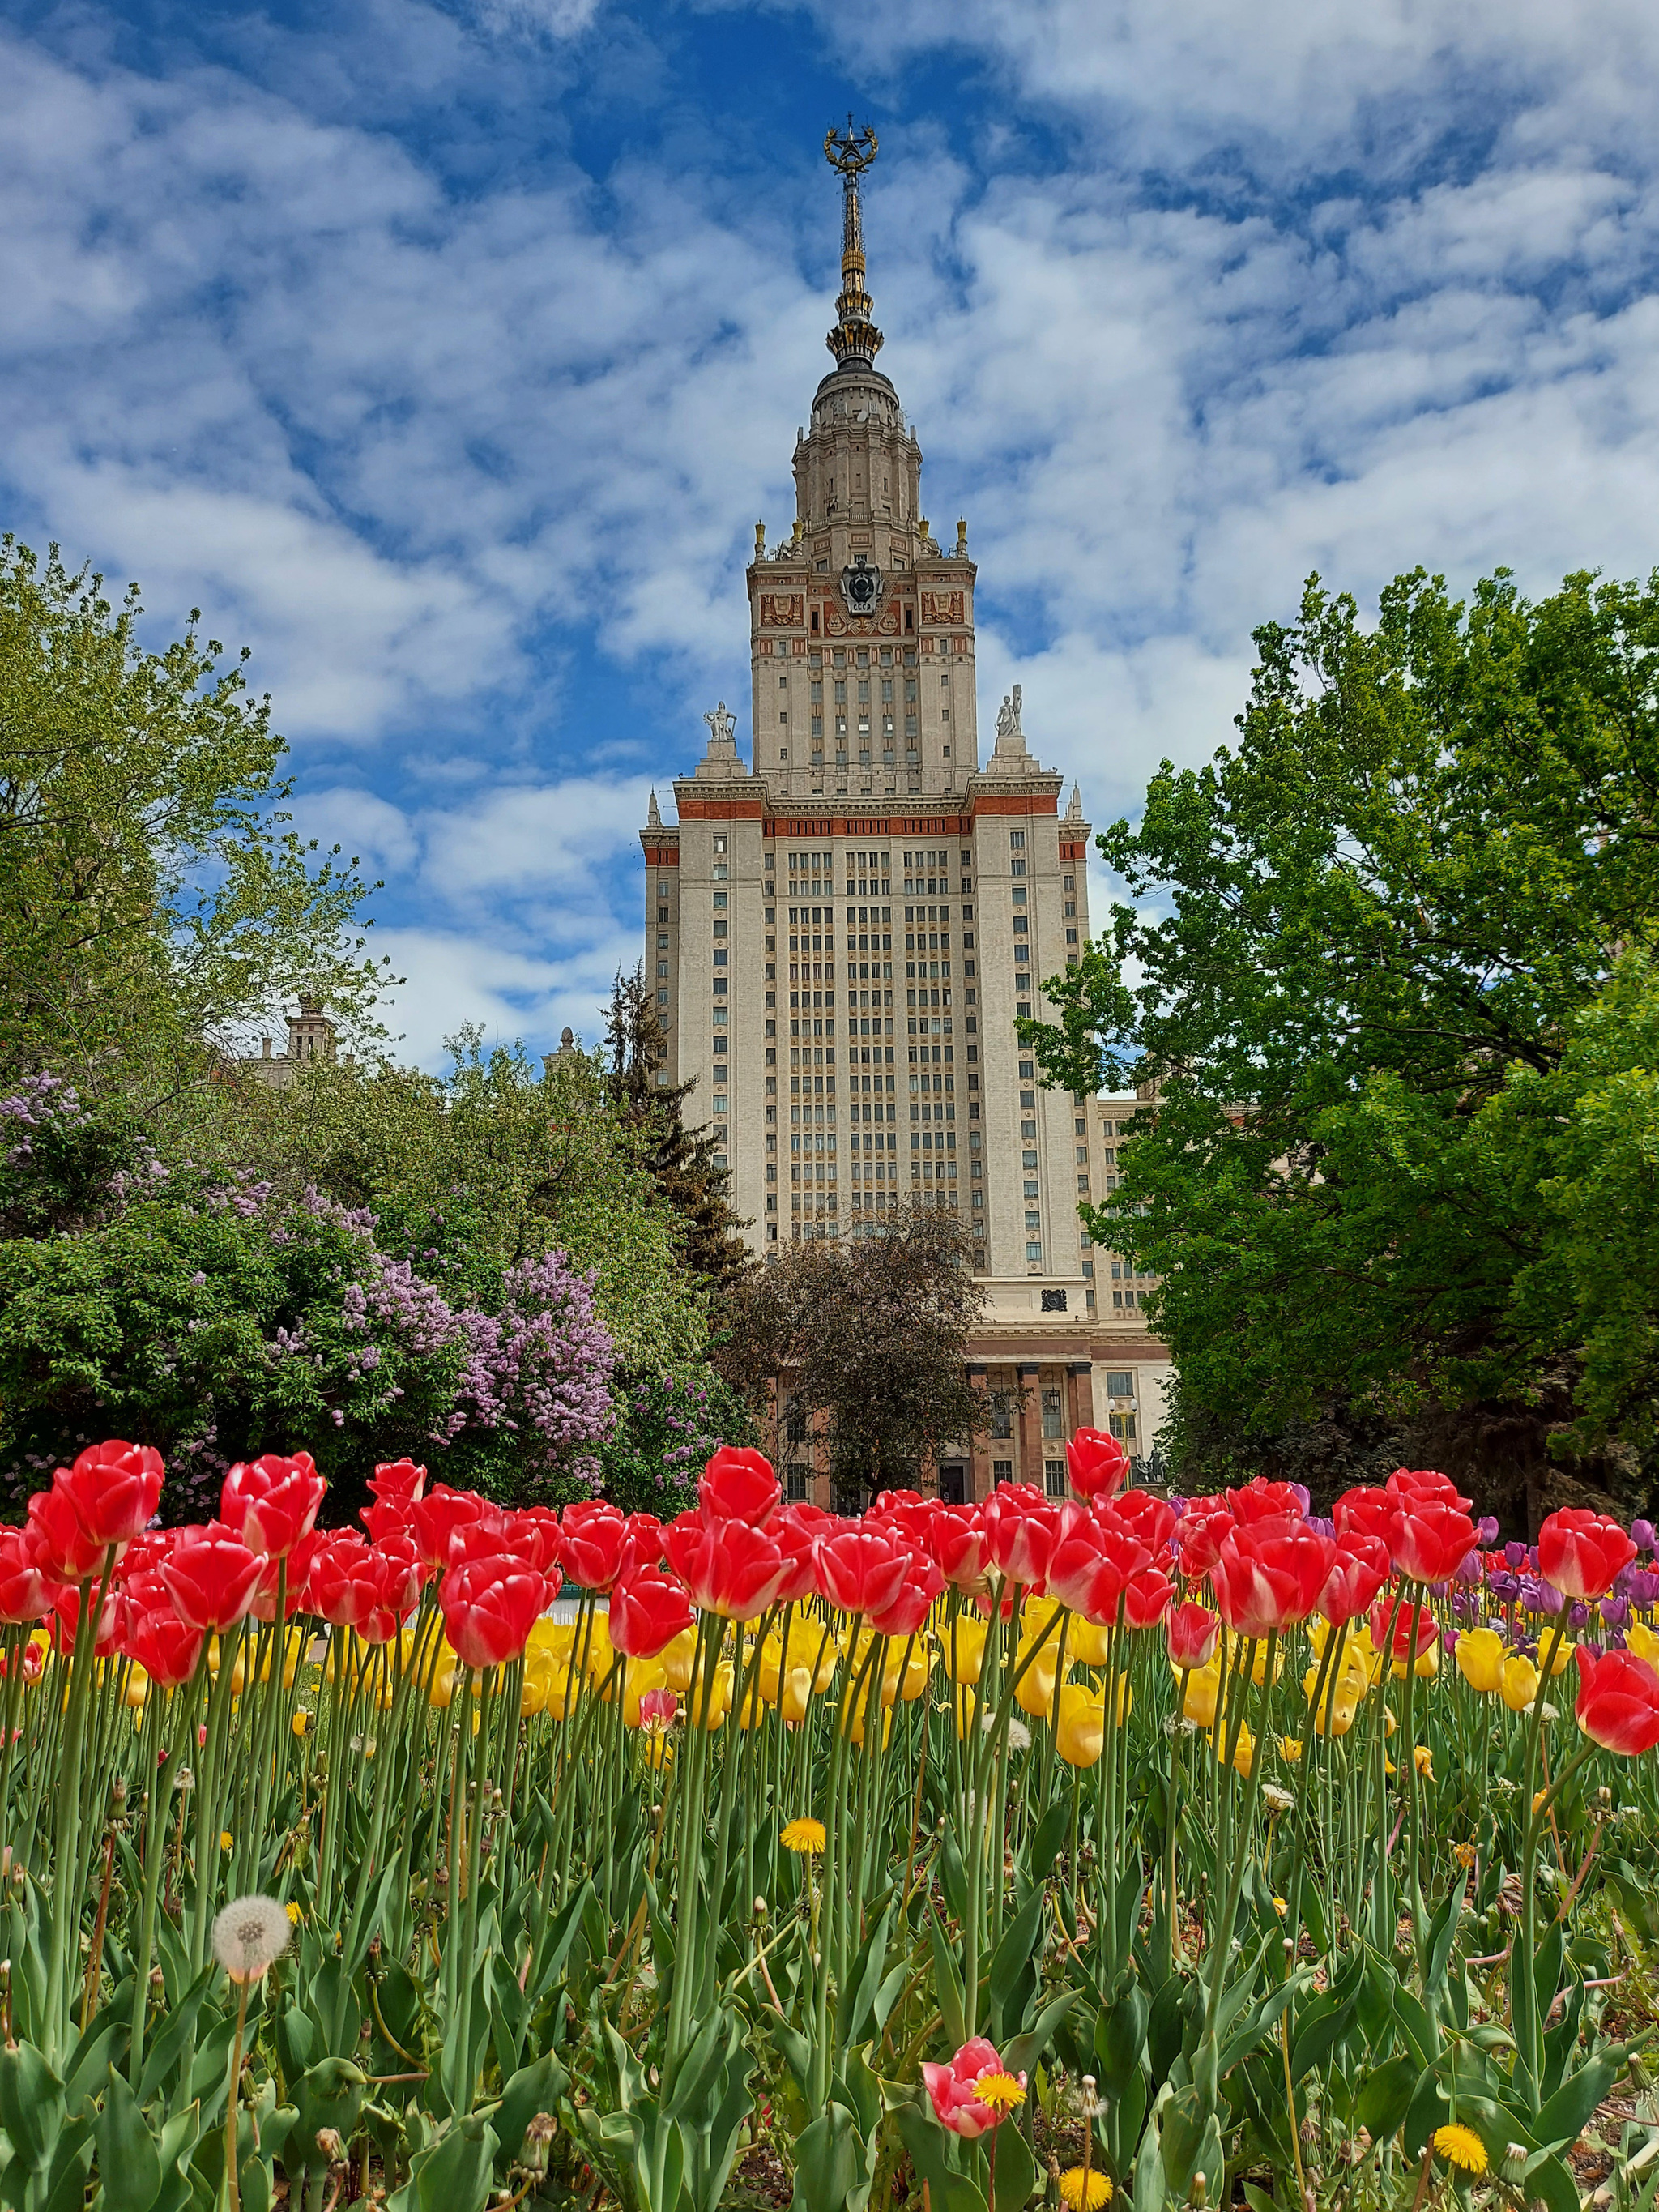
(1641, 1639)
(678, 1659)
(1244, 1752)
(1089, 1645)
(1480, 1656)
(852, 1716)
(1034, 1692)
(658, 1747)
(962, 1645)
(301, 1720)
(1080, 1736)
(719, 1695)
(137, 1690)
(1559, 1663)
(1290, 1749)
(966, 1704)
(797, 1696)
(1341, 1718)
(1519, 1685)
(1238, 1646)
(1203, 1692)
(809, 1648)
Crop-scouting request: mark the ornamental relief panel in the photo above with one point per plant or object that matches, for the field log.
(781, 609)
(838, 625)
(944, 608)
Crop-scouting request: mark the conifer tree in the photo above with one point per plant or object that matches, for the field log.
(682, 1162)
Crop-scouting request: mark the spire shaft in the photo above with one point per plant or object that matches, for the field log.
(855, 337)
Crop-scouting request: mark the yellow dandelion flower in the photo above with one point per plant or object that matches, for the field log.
(1423, 1760)
(806, 1837)
(1280, 1907)
(1000, 2091)
(294, 1912)
(227, 1841)
(1464, 1854)
(1084, 2191)
(1461, 2146)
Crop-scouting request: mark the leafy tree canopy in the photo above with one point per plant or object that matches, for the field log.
(1386, 978)
(152, 901)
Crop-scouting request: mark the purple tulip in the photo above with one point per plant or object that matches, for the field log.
(1301, 1489)
(1449, 1640)
(1578, 1615)
(1615, 1611)
(1641, 1535)
(1470, 1572)
(1321, 1527)
(1503, 1586)
(1486, 1531)
(1515, 1557)
(1539, 1596)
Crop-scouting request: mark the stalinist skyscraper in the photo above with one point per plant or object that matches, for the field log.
(843, 928)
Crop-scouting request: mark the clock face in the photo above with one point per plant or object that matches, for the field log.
(860, 587)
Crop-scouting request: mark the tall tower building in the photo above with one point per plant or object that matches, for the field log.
(843, 929)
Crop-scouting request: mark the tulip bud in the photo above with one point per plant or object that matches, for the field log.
(1201, 2190)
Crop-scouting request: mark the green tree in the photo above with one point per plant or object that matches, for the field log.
(1367, 971)
(493, 1164)
(683, 1165)
(153, 903)
(866, 1339)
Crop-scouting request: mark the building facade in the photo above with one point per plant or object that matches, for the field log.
(843, 929)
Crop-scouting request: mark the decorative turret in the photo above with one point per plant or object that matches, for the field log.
(855, 339)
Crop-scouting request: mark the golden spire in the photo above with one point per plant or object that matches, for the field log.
(855, 337)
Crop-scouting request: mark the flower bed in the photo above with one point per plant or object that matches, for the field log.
(957, 1854)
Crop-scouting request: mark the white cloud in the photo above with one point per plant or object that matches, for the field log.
(1309, 286)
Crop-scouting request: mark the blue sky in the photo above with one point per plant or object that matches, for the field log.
(447, 355)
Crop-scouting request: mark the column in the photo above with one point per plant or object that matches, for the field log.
(1030, 1465)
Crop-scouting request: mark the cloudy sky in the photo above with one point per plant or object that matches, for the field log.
(446, 355)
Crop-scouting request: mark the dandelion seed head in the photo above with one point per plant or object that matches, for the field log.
(250, 1935)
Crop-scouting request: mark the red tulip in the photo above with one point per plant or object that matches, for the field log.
(1391, 1629)
(923, 1584)
(271, 1503)
(58, 1539)
(66, 1619)
(647, 1612)
(642, 1545)
(1618, 1703)
(345, 1586)
(797, 1543)
(437, 1519)
(592, 1539)
(532, 1533)
(1151, 1519)
(1192, 1631)
(1271, 1575)
(1369, 1512)
(1359, 1570)
(1434, 1539)
(1261, 1500)
(728, 1567)
(1021, 1532)
(25, 1592)
(739, 1486)
(490, 1607)
(1093, 1565)
(163, 1645)
(952, 2089)
(298, 1568)
(955, 1537)
(115, 1488)
(1411, 1485)
(1581, 1552)
(1098, 1463)
(860, 1570)
(398, 1482)
(1199, 1533)
(1146, 1598)
(211, 1575)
